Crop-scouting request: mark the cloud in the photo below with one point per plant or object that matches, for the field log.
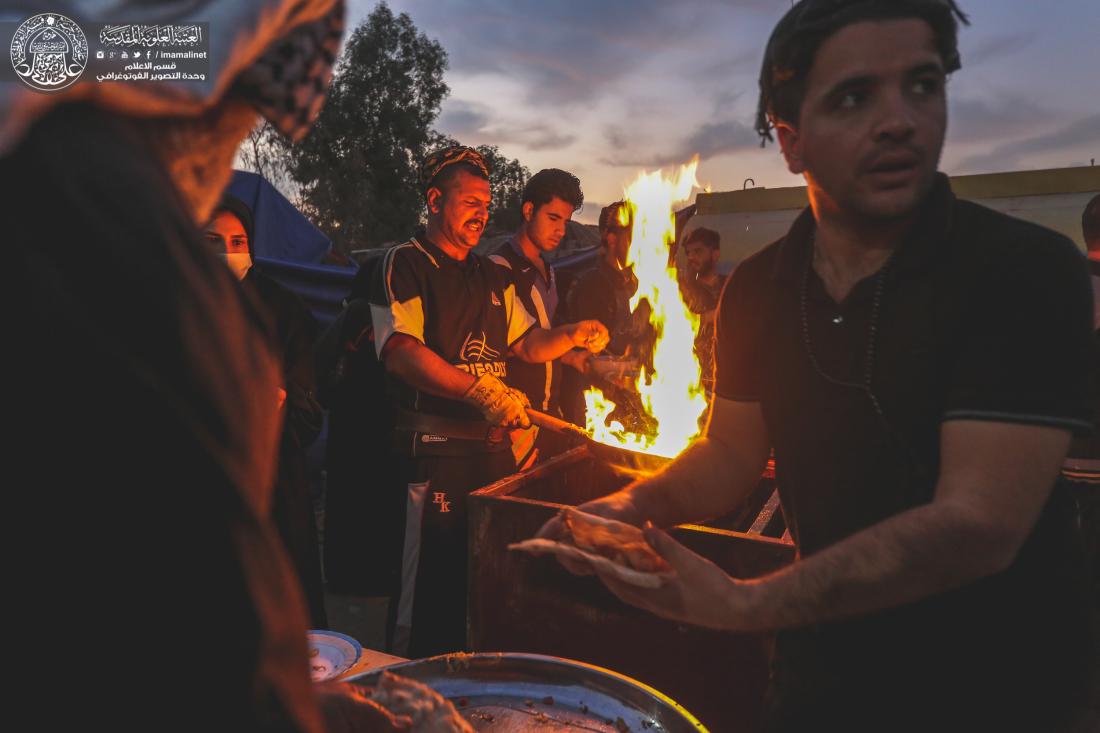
(725, 101)
(972, 119)
(538, 137)
(478, 124)
(746, 61)
(1008, 155)
(461, 119)
(709, 140)
(567, 51)
(650, 82)
(716, 138)
(564, 51)
(590, 212)
(616, 136)
(997, 47)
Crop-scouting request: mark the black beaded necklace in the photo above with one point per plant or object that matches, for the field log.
(864, 386)
(872, 332)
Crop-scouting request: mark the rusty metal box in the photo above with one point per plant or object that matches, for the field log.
(519, 603)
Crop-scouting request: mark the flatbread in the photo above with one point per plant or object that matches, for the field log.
(428, 710)
(619, 542)
(613, 547)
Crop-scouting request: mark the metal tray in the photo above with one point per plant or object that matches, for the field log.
(520, 693)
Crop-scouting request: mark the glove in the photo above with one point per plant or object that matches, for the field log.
(500, 404)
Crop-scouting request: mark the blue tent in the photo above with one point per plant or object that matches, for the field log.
(289, 248)
(281, 231)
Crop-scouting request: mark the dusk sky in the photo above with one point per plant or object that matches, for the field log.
(606, 88)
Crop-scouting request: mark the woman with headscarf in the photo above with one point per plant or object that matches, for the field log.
(230, 233)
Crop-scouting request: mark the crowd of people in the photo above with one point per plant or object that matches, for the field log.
(917, 364)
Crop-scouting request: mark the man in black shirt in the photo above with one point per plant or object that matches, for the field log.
(603, 292)
(549, 200)
(445, 322)
(918, 364)
(1082, 467)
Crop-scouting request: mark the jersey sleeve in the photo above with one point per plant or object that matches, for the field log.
(520, 321)
(397, 299)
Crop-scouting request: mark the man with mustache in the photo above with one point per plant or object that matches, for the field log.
(918, 364)
(445, 322)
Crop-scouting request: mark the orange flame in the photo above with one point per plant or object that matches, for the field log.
(672, 394)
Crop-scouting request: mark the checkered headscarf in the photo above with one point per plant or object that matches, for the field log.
(287, 84)
(440, 159)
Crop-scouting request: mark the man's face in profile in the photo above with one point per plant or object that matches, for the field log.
(615, 236)
(545, 225)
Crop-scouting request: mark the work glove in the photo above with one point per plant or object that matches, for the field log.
(501, 405)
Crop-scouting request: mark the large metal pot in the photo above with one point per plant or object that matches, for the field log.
(543, 694)
(622, 459)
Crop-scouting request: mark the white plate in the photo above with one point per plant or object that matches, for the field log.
(331, 654)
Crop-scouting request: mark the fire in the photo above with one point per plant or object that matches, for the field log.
(672, 394)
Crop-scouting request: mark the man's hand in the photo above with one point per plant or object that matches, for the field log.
(541, 345)
(581, 361)
(590, 335)
(699, 592)
(501, 405)
(615, 506)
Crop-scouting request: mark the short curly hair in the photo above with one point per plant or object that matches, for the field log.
(706, 237)
(548, 183)
(613, 210)
(809, 23)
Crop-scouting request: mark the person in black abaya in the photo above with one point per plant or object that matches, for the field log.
(230, 232)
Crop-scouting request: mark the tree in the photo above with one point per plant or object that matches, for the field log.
(266, 152)
(355, 173)
(509, 176)
(357, 167)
